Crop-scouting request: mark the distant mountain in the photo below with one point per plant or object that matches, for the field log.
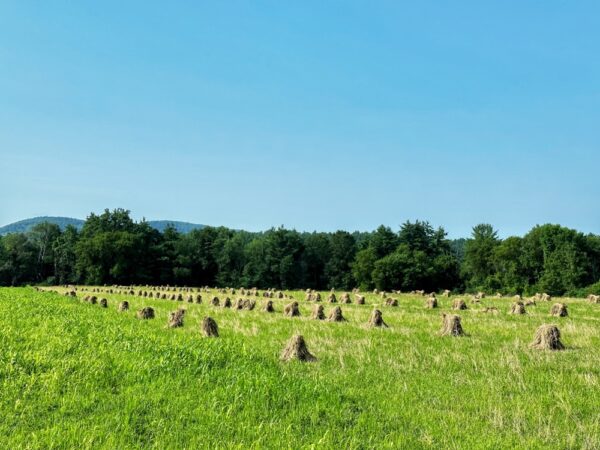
(182, 227)
(23, 226)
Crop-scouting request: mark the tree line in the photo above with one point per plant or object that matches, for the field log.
(111, 248)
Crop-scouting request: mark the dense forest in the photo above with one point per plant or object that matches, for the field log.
(111, 248)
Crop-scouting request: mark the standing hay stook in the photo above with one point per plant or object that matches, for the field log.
(391, 301)
(176, 318)
(209, 327)
(198, 299)
(268, 306)
(376, 320)
(296, 349)
(318, 313)
(146, 313)
(517, 308)
(459, 304)
(291, 310)
(335, 315)
(123, 306)
(360, 299)
(559, 310)
(248, 304)
(345, 298)
(547, 337)
(451, 325)
(331, 298)
(593, 298)
(103, 303)
(431, 303)
(214, 301)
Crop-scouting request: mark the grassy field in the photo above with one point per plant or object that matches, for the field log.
(74, 375)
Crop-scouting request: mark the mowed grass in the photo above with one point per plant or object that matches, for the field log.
(74, 375)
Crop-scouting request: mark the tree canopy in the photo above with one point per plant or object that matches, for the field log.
(111, 248)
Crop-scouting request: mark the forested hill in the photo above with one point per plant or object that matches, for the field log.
(26, 225)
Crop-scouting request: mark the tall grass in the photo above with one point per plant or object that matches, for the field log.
(74, 375)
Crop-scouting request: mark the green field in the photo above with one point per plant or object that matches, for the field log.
(75, 375)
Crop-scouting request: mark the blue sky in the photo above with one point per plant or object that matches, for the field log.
(313, 115)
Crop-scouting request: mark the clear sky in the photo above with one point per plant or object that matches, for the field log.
(314, 115)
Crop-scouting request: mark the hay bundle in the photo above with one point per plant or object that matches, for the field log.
(360, 299)
(318, 313)
(335, 315)
(176, 318)
(268, 306)
(296, 349)
(198, 299)
(248, 304)
(517, 298)
(546, 297)
(498, 295)
(451, 325)
(215, 301)
(459, 304)
(190, 299)
(593, 298)
(517, 308)
(547, 337)
(227, 303)
(331, 298)
(209, 327)
(239, 304)
(163, 296)
(179, 297)
(559, 310)
(93, 300)
(345, 298)
(490, 310)
(391, 301)
(530, 302)
(280, 295)
(376, 319)
(446, 293)
(480, 295)
(173, 297)
(291, 310)
(123, 306)
(146, 313)
(103, 303)
(431, 303)
(420, 292)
